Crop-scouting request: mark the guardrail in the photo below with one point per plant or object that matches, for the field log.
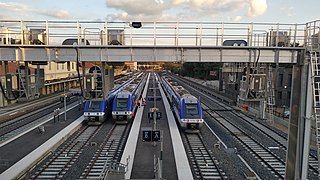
(101, 33)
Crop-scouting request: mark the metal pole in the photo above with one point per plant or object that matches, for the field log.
(297, 113)
(154, 105)
(307, 130)
(161, 154)
(38, 79)
(65, 101)
(27, 80)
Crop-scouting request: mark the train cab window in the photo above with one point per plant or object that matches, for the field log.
(94, 106)
(192, 110)
(122, 103)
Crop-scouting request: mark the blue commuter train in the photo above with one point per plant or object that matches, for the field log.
(186, 107)
(124, 105)
(98, 109)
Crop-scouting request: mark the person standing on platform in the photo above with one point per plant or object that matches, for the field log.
(143, 102)
(139, 103)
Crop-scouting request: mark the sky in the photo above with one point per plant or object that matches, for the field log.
(278, 11)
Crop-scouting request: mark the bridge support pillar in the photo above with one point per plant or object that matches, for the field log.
(299, 126)
(107, 78)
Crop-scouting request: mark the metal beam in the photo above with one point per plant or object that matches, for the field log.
(297, 123)
(148, 53)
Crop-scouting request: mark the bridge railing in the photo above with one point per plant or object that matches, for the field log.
(102, 33)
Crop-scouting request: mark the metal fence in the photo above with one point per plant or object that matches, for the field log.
(102, 33)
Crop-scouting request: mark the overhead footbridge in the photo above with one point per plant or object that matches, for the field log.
(85, 41)
(40, 42)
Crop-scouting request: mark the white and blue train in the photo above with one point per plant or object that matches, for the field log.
(97, 110)
(186, 107)
(124, 103)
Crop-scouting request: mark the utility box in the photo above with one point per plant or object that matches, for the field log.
(257, 82)
(315, 41)
(116, 37)
(37, 36)
(8, 82)
(281, 36)
(88, 83)
(252, 89)
(40, 83)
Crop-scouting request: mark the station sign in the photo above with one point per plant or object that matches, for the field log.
(158, 114)
(146, 135)
(155, 135)
(151, 135)
(150, 115)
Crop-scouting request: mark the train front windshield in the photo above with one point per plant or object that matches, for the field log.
(94, 106)
(122, 103)
(192, 110)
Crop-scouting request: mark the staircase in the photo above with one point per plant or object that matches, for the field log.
(22, 78)
(315, 67)
(270, 96)
(313, 49)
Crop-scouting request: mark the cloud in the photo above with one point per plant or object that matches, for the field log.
(138, 7)
(290, 11)
(12, 6)
(211, 6)
(142, 17)
(235, 18)
(156, 10)
(63, 14)
(257, 8)
(25, 9)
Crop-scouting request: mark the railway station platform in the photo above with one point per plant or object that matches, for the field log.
(17, 156)
(140, 154)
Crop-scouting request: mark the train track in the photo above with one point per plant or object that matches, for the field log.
(63, 159)
(26, 123)
(203, 164)
(108, 154)
(266, 157)
(24, 119)
(279, 139)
